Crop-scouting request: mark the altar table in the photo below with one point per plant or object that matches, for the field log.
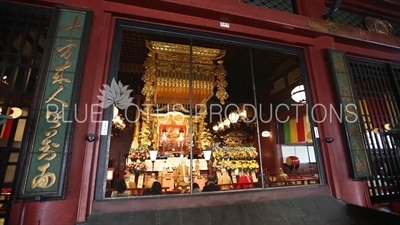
(168, 164)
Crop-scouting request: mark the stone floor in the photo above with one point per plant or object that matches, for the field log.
(313, 210)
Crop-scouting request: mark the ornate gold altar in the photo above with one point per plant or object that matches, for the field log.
(177, 79)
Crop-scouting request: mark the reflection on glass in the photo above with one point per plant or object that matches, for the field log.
(194, 115)
(285, 131)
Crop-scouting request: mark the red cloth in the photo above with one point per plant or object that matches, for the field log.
(245, 180)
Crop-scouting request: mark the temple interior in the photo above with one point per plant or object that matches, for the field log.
(216, 108)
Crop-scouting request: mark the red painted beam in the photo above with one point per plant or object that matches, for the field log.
(211, 25)
(248, 21)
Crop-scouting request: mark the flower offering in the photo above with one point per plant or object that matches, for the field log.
(142, 153)
(136, 168)
(235, 153)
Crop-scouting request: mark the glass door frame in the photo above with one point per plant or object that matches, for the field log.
(100, 189)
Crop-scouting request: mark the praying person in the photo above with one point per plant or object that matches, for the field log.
(211, 186)
(196, 188)
(156, 188)
(225, 179)
(245, 180)
(120, 189)
(150, 182)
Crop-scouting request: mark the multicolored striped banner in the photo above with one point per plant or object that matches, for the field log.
(295, 130)
(375, 111)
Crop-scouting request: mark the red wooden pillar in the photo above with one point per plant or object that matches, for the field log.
(84, 154)
(335, 155)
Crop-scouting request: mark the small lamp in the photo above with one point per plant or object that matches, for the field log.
(215, 128)
(227, 122)
(221, 125)
(207, 156)
(265, 133)
(110, 173)
(233, 117)
(153, 156)
(243, 113)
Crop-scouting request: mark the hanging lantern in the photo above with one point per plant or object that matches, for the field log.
(243, 114)
(298, 94)
(221, 125)
(227, 122)
(233, 117)
(215, 128)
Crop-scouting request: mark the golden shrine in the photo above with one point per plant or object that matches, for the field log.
(178, 82)
(178, 78)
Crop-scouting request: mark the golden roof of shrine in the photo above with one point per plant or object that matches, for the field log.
(168, 73)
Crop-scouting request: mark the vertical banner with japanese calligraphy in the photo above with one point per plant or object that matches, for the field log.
(46, 162)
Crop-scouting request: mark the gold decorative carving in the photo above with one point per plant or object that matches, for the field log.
(162, 47)
(329, 27)
(235, 139)
(378, 26)
(167, 88)
(221, 94)
(149, 78)
(167, 74)
(204, 135)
